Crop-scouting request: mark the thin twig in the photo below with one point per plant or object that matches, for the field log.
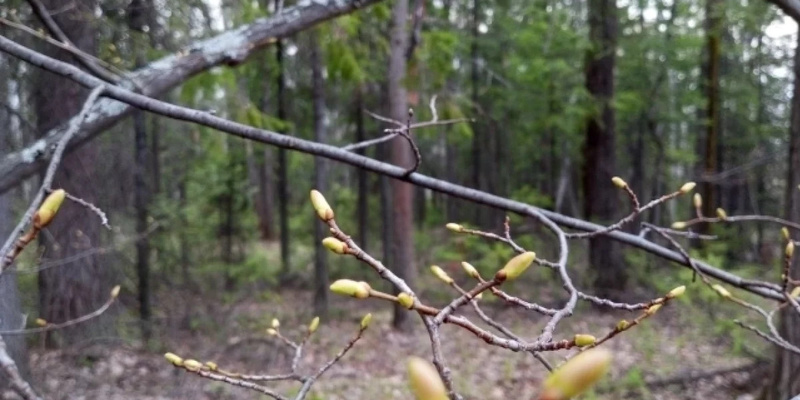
(52, 327)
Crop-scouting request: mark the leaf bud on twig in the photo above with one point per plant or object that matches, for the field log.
(41, 322)
(335, 245)
(516, 266)
(795, 292)
(405, 300)
(619, 182)
(785, 233)
(653, 309)
(275, 323)
(272, 332)
(582, 340)
(722, 291)
(425, 381)
(347, 287)
(577, 375)
(47, 211)
(115, 292)
(721, 214)
(454, 227)
(321, 206)
(789, 249)
(470, 270)
(439, 272)
(687, 187)
(697, 200)
(366, 320)
(679, 225)
(622, 325)
(192, 365)
(174, 359)
(676, 292)
(212, 365)
(312, 327)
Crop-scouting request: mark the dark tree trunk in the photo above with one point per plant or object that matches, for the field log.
(76, 287)
(784, 382)
(711, 70)
(283, 184)
(137, 20)
(600, 196)
(478, 146)
(11, 317)
(320, 177)
(361, 174)
(402, 243)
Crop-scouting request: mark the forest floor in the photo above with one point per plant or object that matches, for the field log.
(669, 347)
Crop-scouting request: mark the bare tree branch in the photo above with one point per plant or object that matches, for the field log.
(231, 48)
(294, 143)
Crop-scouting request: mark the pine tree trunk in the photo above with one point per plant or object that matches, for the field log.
(784, 382)
(320, 177)
(600, 196)
(77, 287)
(402, 243)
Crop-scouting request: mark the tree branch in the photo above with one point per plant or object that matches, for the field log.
(334, 153)
(231, 47)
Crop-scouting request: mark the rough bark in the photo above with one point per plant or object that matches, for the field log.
(137, 20)
(711, 118)
(402, 242)
(600, 196)
(283, 184)
(229, 48)
(784, 382)
(320, 176)
(77, 287)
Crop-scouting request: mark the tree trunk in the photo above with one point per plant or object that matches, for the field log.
(283, 184)
(11, 317)
(402, 243)
(320, 177)
(478, 145)
(361, 174)
(141, 190)
(76, 287)
(600, 195)
(711, 69)
(784, 382)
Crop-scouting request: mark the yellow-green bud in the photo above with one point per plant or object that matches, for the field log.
(653, 309)
(366, 285)
(697, 200)
(687, 187)
(584, 340)
(335, 245)
(722, 291)
(321, 206)
(212, 365)
(795, 292)
(789, 249)
(192, 365)
(424, 380)
(785, 233)
(577, 375)
(439, 272)
(405, 300)
(174, 359)
(679, 225)
(454, 227)
(622, 325)
(516, 266)
(479, 296)
(47, 211)
(365, 321)
(115, 292)
(470, 270)
(272, 331)
(619, 182)
(721, 214)
(275, 323)
(676, 292)
(347, 287)
(312, 327)
(41, 322)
